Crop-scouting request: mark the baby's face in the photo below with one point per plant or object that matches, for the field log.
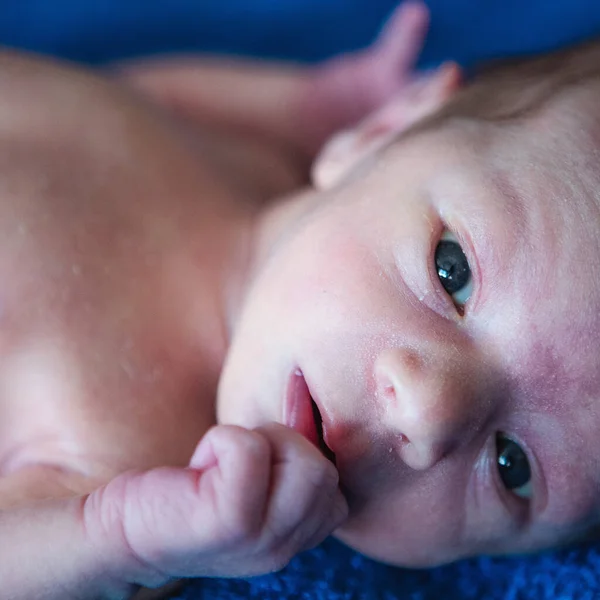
(463, 423)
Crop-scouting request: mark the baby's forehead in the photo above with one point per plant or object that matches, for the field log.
(558, 92)
(546, 151)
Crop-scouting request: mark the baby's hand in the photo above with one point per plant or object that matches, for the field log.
(347, 88)
(296, 107)
(249, 502)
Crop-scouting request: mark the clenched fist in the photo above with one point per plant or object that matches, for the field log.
(247, 503)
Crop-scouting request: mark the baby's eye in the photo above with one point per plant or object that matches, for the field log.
(453, 269)
(513, 467)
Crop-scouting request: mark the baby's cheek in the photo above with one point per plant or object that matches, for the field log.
(417, 521)
(327, 266)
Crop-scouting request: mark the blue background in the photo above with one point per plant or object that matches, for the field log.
(467, 30)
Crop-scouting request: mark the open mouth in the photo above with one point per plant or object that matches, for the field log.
(323, 447)
(304, 416)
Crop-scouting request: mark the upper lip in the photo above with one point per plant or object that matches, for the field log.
(360, 454)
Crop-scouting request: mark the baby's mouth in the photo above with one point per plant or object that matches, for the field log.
(323, 447)
(303, 414)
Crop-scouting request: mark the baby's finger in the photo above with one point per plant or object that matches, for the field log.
(305, 503)
(338, 513)
(239, 480)
(401, 40)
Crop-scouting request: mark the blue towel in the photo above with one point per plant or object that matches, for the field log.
(469, 31)
(333, 572)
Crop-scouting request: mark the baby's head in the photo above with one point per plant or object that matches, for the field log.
(441, 301)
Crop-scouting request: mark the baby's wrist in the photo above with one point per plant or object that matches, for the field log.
(120, 571)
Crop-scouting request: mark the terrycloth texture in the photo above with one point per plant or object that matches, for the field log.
(333, 572)
(467, 30)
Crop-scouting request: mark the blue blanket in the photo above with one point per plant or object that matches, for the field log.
(332, 572)
(96, 31)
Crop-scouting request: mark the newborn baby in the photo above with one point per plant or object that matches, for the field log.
(190, 344)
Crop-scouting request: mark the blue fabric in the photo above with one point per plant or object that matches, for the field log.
(96, 31)
(332, 572)
(467, 30)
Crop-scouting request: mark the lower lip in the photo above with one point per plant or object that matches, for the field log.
(298, 408)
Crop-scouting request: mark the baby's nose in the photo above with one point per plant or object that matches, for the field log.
(429, 401)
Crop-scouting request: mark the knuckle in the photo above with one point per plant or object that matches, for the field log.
(247, 445)
(243, 472)
(322, 474)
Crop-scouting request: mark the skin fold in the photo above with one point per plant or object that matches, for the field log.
(169, 269)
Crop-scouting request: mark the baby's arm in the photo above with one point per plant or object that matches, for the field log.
(248, 502)
(296, 107)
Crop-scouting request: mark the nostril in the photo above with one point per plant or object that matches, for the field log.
(397, 371)
(389, 393)
(423, 402)
(386, 391)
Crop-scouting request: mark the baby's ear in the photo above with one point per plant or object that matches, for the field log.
(347, 150)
